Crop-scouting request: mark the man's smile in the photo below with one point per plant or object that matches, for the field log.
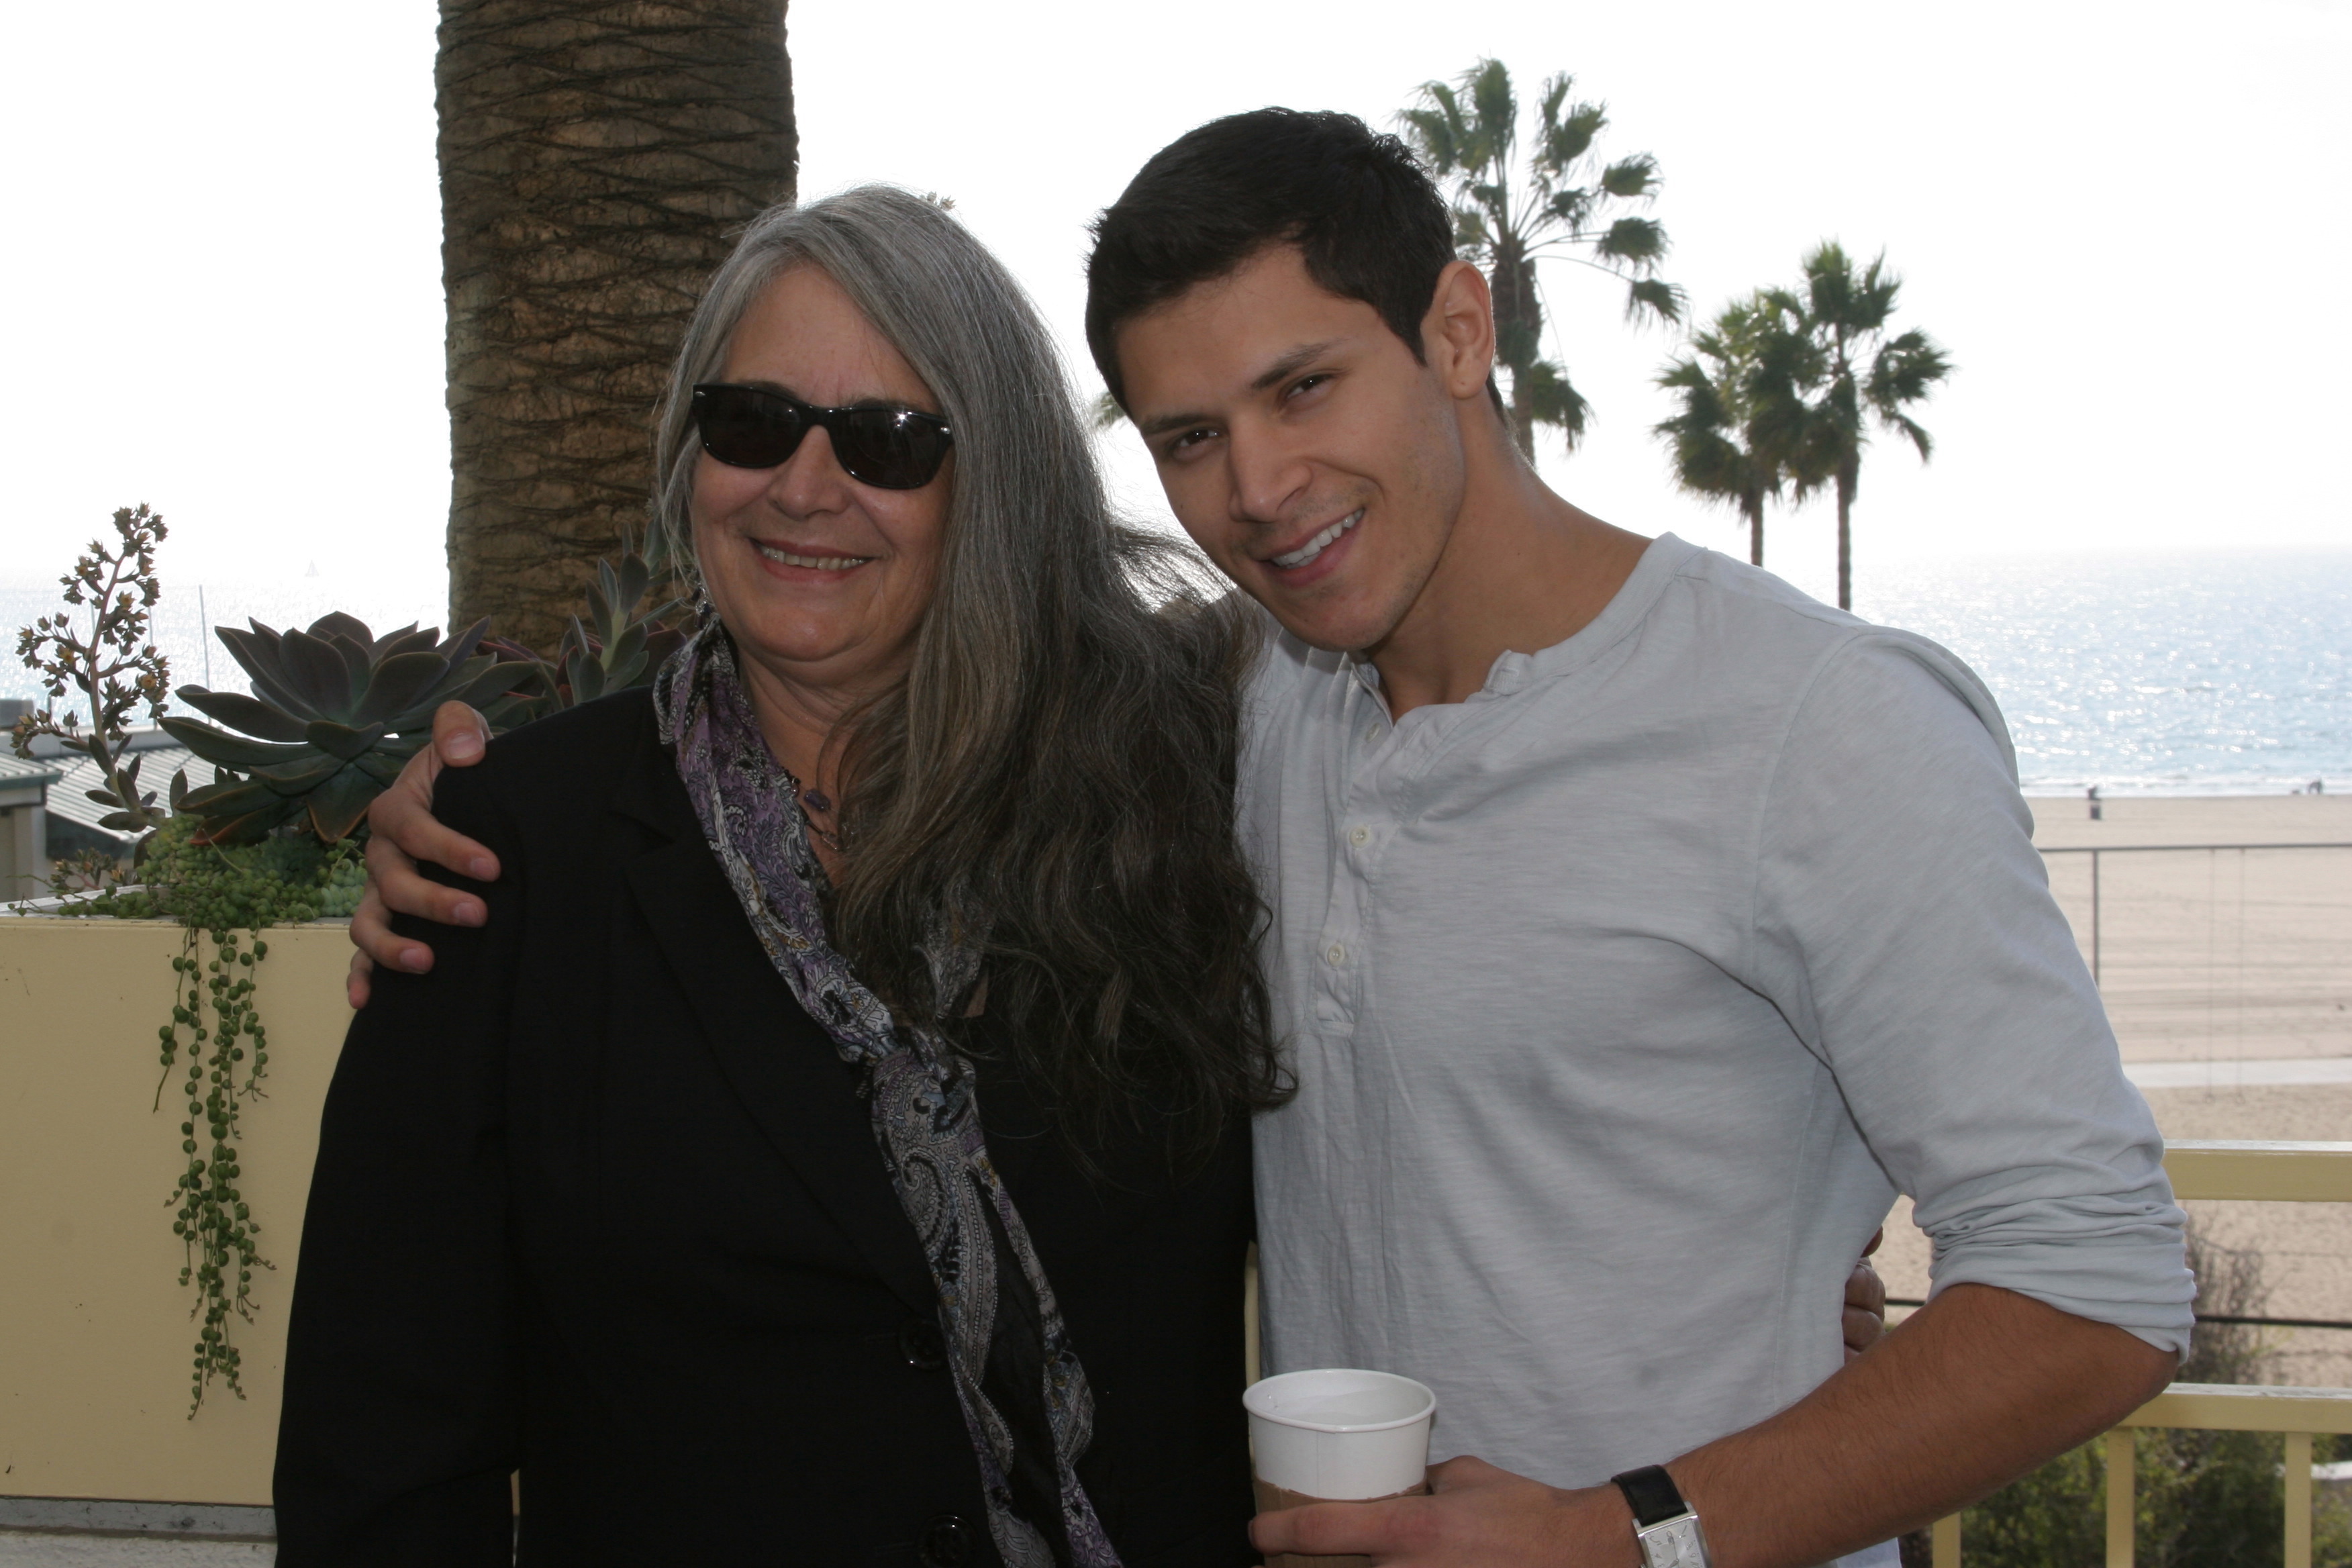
(1292, 559)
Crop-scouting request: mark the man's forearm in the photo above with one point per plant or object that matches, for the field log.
(1980, 1386)
(1977, 1387)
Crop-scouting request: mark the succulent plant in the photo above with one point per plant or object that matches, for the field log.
(335, 711)
(619, 646)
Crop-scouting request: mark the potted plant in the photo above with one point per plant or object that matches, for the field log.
(268, 842)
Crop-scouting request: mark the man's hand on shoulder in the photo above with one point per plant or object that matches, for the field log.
(402, 831)
(1863, 1319)
(1476, 1516)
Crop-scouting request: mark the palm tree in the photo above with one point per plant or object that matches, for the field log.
(596, 160)
(1741, 415)
(1563, 201)
(1863, 374)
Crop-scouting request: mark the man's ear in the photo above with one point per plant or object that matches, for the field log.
(1458, 335)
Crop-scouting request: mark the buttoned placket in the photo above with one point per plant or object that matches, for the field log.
(1362, 825)
(1383, 759)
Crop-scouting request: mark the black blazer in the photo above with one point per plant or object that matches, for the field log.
(596, 1200)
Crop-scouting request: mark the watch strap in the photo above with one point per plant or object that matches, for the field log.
(1652, 1494)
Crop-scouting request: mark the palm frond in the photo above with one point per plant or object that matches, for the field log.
(1917, 433)
(1784, 309)
(1571, 136)
(1570, 208)
(1543, 389)
(1639, 241)
(1430, 134)
(1708, 461)
(1703, 403)
(1655, 297)
(1630, 177)
(1472, 240)
(1495, 105)
(1556, 89)
(1906, 369)
(1838, 298)
(1879, 286)
(1439, 130)
(1828, 283)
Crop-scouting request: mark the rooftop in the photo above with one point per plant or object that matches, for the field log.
(158, 756)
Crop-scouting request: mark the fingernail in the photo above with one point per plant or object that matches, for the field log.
(463, 746)
(413, 960)
(481, 868)
(470, 913)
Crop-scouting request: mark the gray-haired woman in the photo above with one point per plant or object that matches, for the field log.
(844, 1082)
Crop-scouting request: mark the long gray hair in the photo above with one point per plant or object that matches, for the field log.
(1057, 768)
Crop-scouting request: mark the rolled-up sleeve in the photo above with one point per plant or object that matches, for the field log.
(1904, 926)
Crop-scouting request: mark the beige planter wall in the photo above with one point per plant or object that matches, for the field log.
(96, 1340)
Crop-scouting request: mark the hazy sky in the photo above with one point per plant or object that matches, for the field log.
(2127, 223)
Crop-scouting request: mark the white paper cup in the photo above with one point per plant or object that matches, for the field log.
(1339, 1434)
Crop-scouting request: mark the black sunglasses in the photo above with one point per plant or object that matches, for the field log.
(756, 427)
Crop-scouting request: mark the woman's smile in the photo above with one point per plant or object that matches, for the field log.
(808, 561)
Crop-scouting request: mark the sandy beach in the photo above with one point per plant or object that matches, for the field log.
(2228, 974)
(2219, 954)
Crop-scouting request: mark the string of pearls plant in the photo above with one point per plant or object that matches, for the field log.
(224, 898)
(274, 839)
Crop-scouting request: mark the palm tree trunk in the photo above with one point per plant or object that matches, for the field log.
(1755, 511)
(594, 156)
(1845, 489)
(1523, 418)
(1518, 331)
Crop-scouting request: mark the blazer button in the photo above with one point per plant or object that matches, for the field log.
(946, 1541)
(924, 1348)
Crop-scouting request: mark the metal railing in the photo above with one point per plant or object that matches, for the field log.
(2262, 1171)
(2275, 1173)
(2096, 851)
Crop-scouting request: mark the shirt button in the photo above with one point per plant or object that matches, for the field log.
(1359, 836)
(1337, 954)
(946, 1541)
(922, 1345)
(1373, 736)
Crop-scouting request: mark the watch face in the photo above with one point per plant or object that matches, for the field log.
(1676, 1543)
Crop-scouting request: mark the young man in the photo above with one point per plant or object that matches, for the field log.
(1639, 928)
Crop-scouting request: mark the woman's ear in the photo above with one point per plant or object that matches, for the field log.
(1458, 333)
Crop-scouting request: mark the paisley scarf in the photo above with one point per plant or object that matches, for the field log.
(1023, 1394)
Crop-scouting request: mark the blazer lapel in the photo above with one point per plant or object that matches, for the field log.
(798, 1090)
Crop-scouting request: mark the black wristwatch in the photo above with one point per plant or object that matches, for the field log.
(1667, 1527)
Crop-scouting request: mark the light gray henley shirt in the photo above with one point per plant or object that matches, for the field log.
(1624, 996)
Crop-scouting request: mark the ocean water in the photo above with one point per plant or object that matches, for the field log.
(2158, 674)
(2205, 673)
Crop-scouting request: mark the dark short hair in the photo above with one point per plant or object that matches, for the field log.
(1368, 221)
